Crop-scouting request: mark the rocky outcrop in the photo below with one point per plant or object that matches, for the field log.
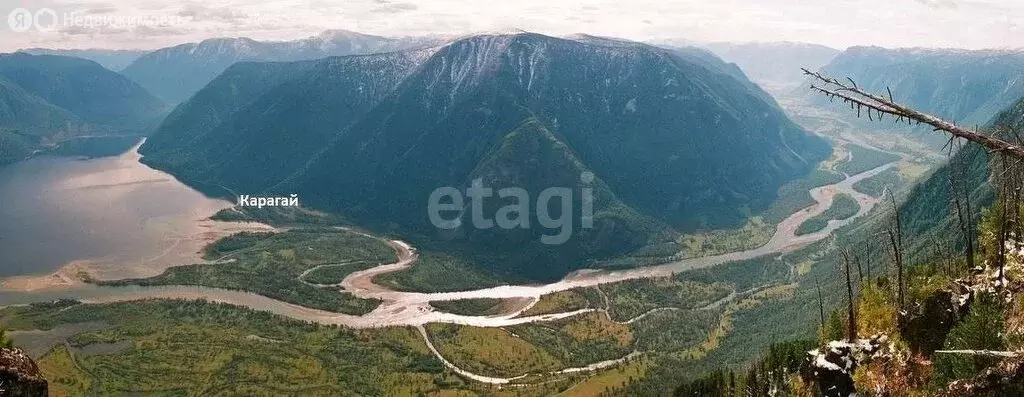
(925, 329)
(19, 375)
(832, 367)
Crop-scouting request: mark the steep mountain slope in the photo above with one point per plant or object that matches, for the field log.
(672, 141)
(270, 119)
(46, 100)
(97, 96)
(31, 115)
(927, 209)
(176, 73)
(710, 61)
(531, 157)
(14, 146)
(115, 60)
(966, 87)
(775, 66)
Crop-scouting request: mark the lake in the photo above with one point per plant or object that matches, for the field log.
(112, 216)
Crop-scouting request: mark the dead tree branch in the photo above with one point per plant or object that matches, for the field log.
(896, 241)
(821, 303)
(851, 321)
(859, 99)
(962, 204)
(988, 353)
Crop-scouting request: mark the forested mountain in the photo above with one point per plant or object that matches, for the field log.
(30, 114)
(674, 142)
(115, 60)
(175, 73)
(45, 99)
(965, 87)
(775, 65)
(259, 123)
(15, 146)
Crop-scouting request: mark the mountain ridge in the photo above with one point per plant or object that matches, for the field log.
(774, 65)
(115, 60)
(176, 73)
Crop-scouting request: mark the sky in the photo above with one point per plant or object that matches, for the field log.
(150, 24)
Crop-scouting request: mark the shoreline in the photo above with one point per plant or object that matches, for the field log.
(79, 272)
(176, 239)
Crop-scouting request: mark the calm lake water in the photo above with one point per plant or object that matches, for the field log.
(120, 217)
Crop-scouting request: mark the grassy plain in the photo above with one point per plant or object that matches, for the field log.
(490, 351)
(875, 186)
(635, 297)
(473, 307)
(436, 272)
(566, 301)
(865, 159)
(270, 264)
(843, 207)
(198, 348)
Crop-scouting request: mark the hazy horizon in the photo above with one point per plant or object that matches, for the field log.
(149, 24)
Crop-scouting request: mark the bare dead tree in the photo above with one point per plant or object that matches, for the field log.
(899, 272)
(896, 242)
(860, 270)
(1009, 181)
(986, 353)
(1018, 220)
(1015, 207)
(867, 259)
(852, 321)
(944, 252)
(1003, 227)
(1017, 172)
(821, 303)
(878, 106)
(961, 201)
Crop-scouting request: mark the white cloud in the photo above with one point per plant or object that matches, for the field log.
(839, 23)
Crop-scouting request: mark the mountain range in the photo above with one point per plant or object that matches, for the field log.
(46, 99)
(675, 140)
(775, 65)
(176, 73)
(115, 60)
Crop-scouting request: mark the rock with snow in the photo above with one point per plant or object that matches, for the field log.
(19, 375)
(927, 324)
(832, 367)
